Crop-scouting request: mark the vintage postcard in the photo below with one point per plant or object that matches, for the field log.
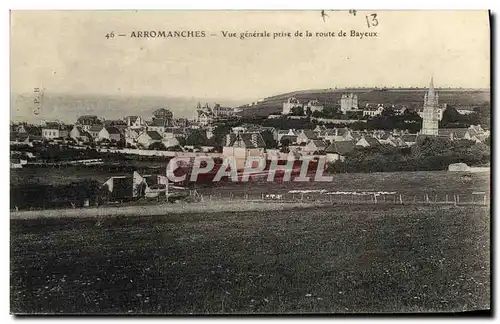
(250, 162)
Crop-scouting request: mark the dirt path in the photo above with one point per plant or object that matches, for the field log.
(162, 209)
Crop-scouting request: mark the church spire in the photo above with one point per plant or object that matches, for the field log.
(431, 91)
(430, 118)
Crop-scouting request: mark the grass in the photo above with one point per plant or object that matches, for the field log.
(366, 258)
(406, 183)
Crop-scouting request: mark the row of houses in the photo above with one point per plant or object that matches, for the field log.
(335, 143)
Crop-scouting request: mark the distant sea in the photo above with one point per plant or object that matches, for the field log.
(67, 108)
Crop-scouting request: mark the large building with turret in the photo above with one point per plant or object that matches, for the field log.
(348, 102)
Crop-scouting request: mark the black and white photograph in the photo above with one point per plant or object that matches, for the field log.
(250, 162)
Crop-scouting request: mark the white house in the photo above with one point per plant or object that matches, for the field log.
(110, 133)
(243, 145)
(372, 111)
(54, 130)
(149, 137)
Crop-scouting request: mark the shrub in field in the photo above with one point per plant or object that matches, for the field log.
(31, 195)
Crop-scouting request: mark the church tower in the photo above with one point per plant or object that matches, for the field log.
(430, 116)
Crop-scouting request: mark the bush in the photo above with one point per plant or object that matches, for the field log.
(426, 155)
(30, 195)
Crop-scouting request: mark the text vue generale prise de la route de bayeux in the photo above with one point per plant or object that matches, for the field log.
(249, 34)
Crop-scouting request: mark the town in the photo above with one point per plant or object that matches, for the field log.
(208, 133)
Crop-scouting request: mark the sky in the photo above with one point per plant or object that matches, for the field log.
(67, 52)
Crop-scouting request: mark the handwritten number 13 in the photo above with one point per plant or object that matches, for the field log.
(373, 22)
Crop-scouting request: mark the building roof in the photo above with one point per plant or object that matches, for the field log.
(33, 130)
(154, 135)
(409, 138)
(159, 122)
(291, 138)
(55, 126)
(250, 140)
(341, 148)
(385, 136)
(88, 120)
(113, 130)
(320, 144)
(371, 140)
(96, 128)
(457, 132)
(309, 133)
(174, 130)
(114, 122)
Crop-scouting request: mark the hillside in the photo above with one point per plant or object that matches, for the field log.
(411, 97)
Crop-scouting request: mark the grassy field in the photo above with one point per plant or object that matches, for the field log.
(406, 183)
(375, 258)
(65, 175)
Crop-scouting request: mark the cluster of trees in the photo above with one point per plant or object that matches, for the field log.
(429, 153)
(32, 195)
(453, 119)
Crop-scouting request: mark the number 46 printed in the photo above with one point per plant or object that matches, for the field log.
(371, 20)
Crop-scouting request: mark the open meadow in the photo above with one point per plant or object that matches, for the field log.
(355, 258)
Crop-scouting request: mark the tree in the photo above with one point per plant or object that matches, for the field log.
(317, 114)
(196, 137)
(388, 112)
(268, 139)
(220, 133)
(297, 111)
(330, 111)
(450, 116)
(176, 148)
(157, 146)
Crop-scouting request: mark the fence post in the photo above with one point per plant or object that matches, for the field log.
(446, 198)
(400, 199)
(484, 199)
(458, 199)
(353, 198)
(375, 198)
(435, 198)
(301, 196)
(454, 199)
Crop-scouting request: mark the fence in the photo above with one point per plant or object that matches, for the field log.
(474, 198)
